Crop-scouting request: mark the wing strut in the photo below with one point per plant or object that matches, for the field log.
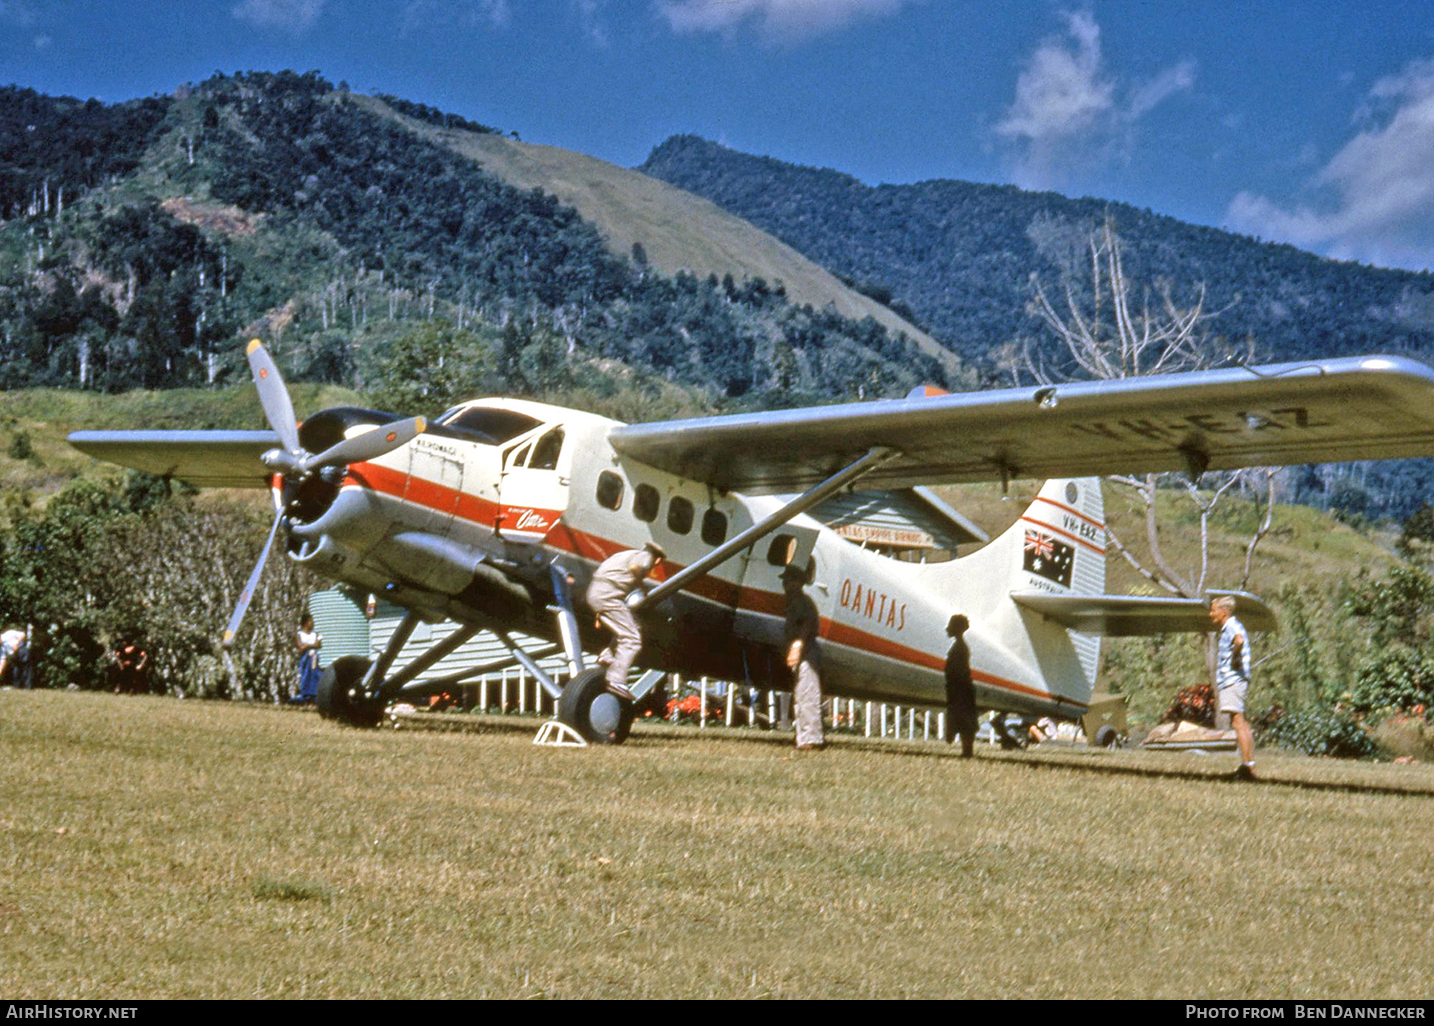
(874, 458)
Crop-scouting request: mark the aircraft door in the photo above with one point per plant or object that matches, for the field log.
(434, 485)
(790, 545)
(533, 492)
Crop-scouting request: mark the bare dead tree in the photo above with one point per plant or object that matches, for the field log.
(1110, 326)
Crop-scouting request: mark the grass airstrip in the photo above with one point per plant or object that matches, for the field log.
(153, 848)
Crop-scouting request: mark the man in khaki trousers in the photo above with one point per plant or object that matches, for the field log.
(804, 658)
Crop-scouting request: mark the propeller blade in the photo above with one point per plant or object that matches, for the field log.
(371, 444)
(273, 396)
(247, 594)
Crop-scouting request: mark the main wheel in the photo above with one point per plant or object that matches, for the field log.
(336, 698)
(594, 712)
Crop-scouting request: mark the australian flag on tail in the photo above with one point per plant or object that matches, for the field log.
(1049, 558)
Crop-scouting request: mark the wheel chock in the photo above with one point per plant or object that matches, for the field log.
(557, 734)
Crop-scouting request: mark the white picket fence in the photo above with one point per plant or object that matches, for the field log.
(515, 692)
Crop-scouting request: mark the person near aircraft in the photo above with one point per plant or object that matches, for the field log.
(960, 692)
(613, 581)
(310, 641)
(804, 658)
(1232, 678)
(15, 658)
(131, 663)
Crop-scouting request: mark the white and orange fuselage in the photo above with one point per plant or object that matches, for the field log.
(463, 522)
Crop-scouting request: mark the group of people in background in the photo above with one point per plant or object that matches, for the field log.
(623, 573)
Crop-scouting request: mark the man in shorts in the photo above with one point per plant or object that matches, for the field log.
(1232, 678)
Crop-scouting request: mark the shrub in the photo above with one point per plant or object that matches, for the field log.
(1323, 732)
(1395, 678)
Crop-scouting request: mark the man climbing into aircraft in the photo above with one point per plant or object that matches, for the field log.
(613, 581)
(804, 658)
(1232, 678)
(960, 693)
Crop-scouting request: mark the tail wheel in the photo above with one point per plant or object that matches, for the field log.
(337, 697)
(594, 712)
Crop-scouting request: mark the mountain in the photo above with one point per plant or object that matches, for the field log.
(960, 256)
(143, 242)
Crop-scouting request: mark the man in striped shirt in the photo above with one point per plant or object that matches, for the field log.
(1232, 678)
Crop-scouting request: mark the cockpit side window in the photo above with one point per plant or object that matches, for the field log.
(546, 452)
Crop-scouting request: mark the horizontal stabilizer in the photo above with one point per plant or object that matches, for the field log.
(1121, 616)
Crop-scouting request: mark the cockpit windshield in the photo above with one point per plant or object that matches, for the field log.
(488, 424)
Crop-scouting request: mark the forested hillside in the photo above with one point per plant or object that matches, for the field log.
(960, 255)
(142, 242)
(958, 258)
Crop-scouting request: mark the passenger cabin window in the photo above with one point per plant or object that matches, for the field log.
(609, 490)
(679, 515)
(645, 501)
(714, 527)
(782, 550)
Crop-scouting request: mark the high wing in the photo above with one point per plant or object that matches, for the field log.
(207, 459)
(1124, 616)
(1357, 408)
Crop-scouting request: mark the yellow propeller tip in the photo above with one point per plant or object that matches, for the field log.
(254, 344)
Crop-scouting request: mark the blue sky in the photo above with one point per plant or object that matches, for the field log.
(1304, 121)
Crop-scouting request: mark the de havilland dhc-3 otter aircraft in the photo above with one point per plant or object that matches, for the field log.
(496, 513)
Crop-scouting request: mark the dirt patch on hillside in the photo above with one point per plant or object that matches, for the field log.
(215, 217)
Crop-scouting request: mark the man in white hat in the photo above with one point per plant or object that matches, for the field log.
(804, 658)
(613, 581)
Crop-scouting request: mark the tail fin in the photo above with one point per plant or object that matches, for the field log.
(1057, 546)
(1063, 551)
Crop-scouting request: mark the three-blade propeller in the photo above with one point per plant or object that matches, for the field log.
(296, 465)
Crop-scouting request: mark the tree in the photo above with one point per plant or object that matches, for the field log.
(1110, 326)
(431, 368)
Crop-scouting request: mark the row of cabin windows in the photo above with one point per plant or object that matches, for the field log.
(646, 503)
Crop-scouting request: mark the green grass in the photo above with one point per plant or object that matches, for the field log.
(152, 848)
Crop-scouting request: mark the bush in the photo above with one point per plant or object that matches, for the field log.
(1323, 732)
(1396, 678)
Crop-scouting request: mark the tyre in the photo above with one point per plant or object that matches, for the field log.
(594, 712)
(336, 699)
(1106, 736)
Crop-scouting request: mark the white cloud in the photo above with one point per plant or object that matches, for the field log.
(589, 17)
(17, 12)
(1378, 190)
(296, 16)
(426, 14)
(776, 20)
(1071, 113)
